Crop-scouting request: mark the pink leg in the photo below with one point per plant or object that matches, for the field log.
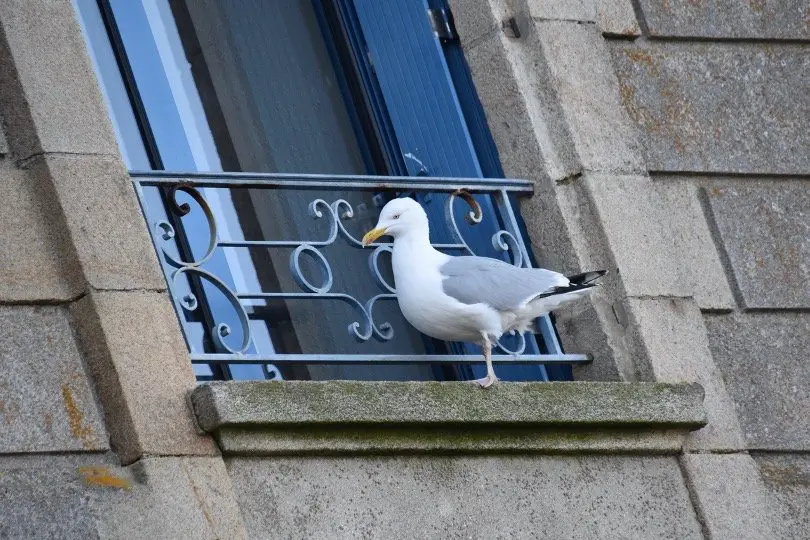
(490, 379)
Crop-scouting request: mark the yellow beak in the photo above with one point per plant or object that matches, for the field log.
(372, 235)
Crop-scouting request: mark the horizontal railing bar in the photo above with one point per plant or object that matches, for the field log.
(386, 359)
(312, 181)
(296, 243)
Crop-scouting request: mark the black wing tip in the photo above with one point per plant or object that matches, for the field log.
(586, 278)
(573, 287)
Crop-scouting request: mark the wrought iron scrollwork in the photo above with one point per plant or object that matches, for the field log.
(189, 301)
(362, 329)
(336, 213)
(502, 240)
(221, 330)
(233, 348)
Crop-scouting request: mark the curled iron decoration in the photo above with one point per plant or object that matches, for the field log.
(374, 267)
(502, 240)
(506, 241)
(316, 212)
(167, 232)
(298, 274)
(220, 330)
(517, 351)
(342, 210)
(475, 215)
(338, 211)
(384, 331)
(189, 301)
(361, 331)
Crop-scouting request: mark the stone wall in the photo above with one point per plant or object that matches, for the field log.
(96, 437)
(669, 143)
(720, 92)
(480, 497)
(346, 459)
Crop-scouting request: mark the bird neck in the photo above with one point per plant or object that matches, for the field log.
(415, 239)
(413, 250)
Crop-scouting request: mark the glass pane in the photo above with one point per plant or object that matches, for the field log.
(265, 75)
(112, 85)
(250, 86)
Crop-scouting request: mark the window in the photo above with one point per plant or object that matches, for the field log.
(341, 88)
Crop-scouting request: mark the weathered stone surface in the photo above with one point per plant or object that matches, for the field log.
(530, 131)
(258, 403)
(566, 10)
(462, 497)
(588, 91)
(634, 219)
(37, 262)
(731, 496)
(50, 98)
(763, 359)
(675, 338)
(141, 369)
(523, 113)
(271, 418)
(187, 497)
(75, 497)
(532, 136)
(45, 400)
(446, 439)
(766, 236)
(718, 107)
(695, 251)
(45, 497)
(592, 326)
(787, 477)
(617, 18)
(762, 19)
(477, 18)
(104, 221)
(4, 149)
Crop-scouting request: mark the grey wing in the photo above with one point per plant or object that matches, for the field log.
(473, 280)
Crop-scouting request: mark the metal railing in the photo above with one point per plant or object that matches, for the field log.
(181, 267)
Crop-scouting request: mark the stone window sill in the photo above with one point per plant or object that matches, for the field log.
(346, 417)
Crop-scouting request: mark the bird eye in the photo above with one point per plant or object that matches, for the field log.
(396, 216)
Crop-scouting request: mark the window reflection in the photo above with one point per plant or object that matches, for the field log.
(253, 86)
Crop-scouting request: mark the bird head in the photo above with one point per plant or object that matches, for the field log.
(398, 218)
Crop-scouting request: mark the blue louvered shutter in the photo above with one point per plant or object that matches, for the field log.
(423, 104)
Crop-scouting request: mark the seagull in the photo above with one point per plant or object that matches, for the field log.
(467, 298)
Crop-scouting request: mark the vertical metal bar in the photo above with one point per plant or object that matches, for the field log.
(178, 310)
(543, 323)
(511, 224)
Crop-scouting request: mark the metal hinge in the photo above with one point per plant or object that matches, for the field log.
(443, 24)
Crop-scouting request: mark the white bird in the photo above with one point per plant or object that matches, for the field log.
(467, 298)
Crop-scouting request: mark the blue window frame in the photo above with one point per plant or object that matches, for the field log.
(353, 87)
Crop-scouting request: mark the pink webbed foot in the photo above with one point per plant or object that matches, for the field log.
(487, 381)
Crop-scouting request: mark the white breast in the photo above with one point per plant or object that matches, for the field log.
(425, 305)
